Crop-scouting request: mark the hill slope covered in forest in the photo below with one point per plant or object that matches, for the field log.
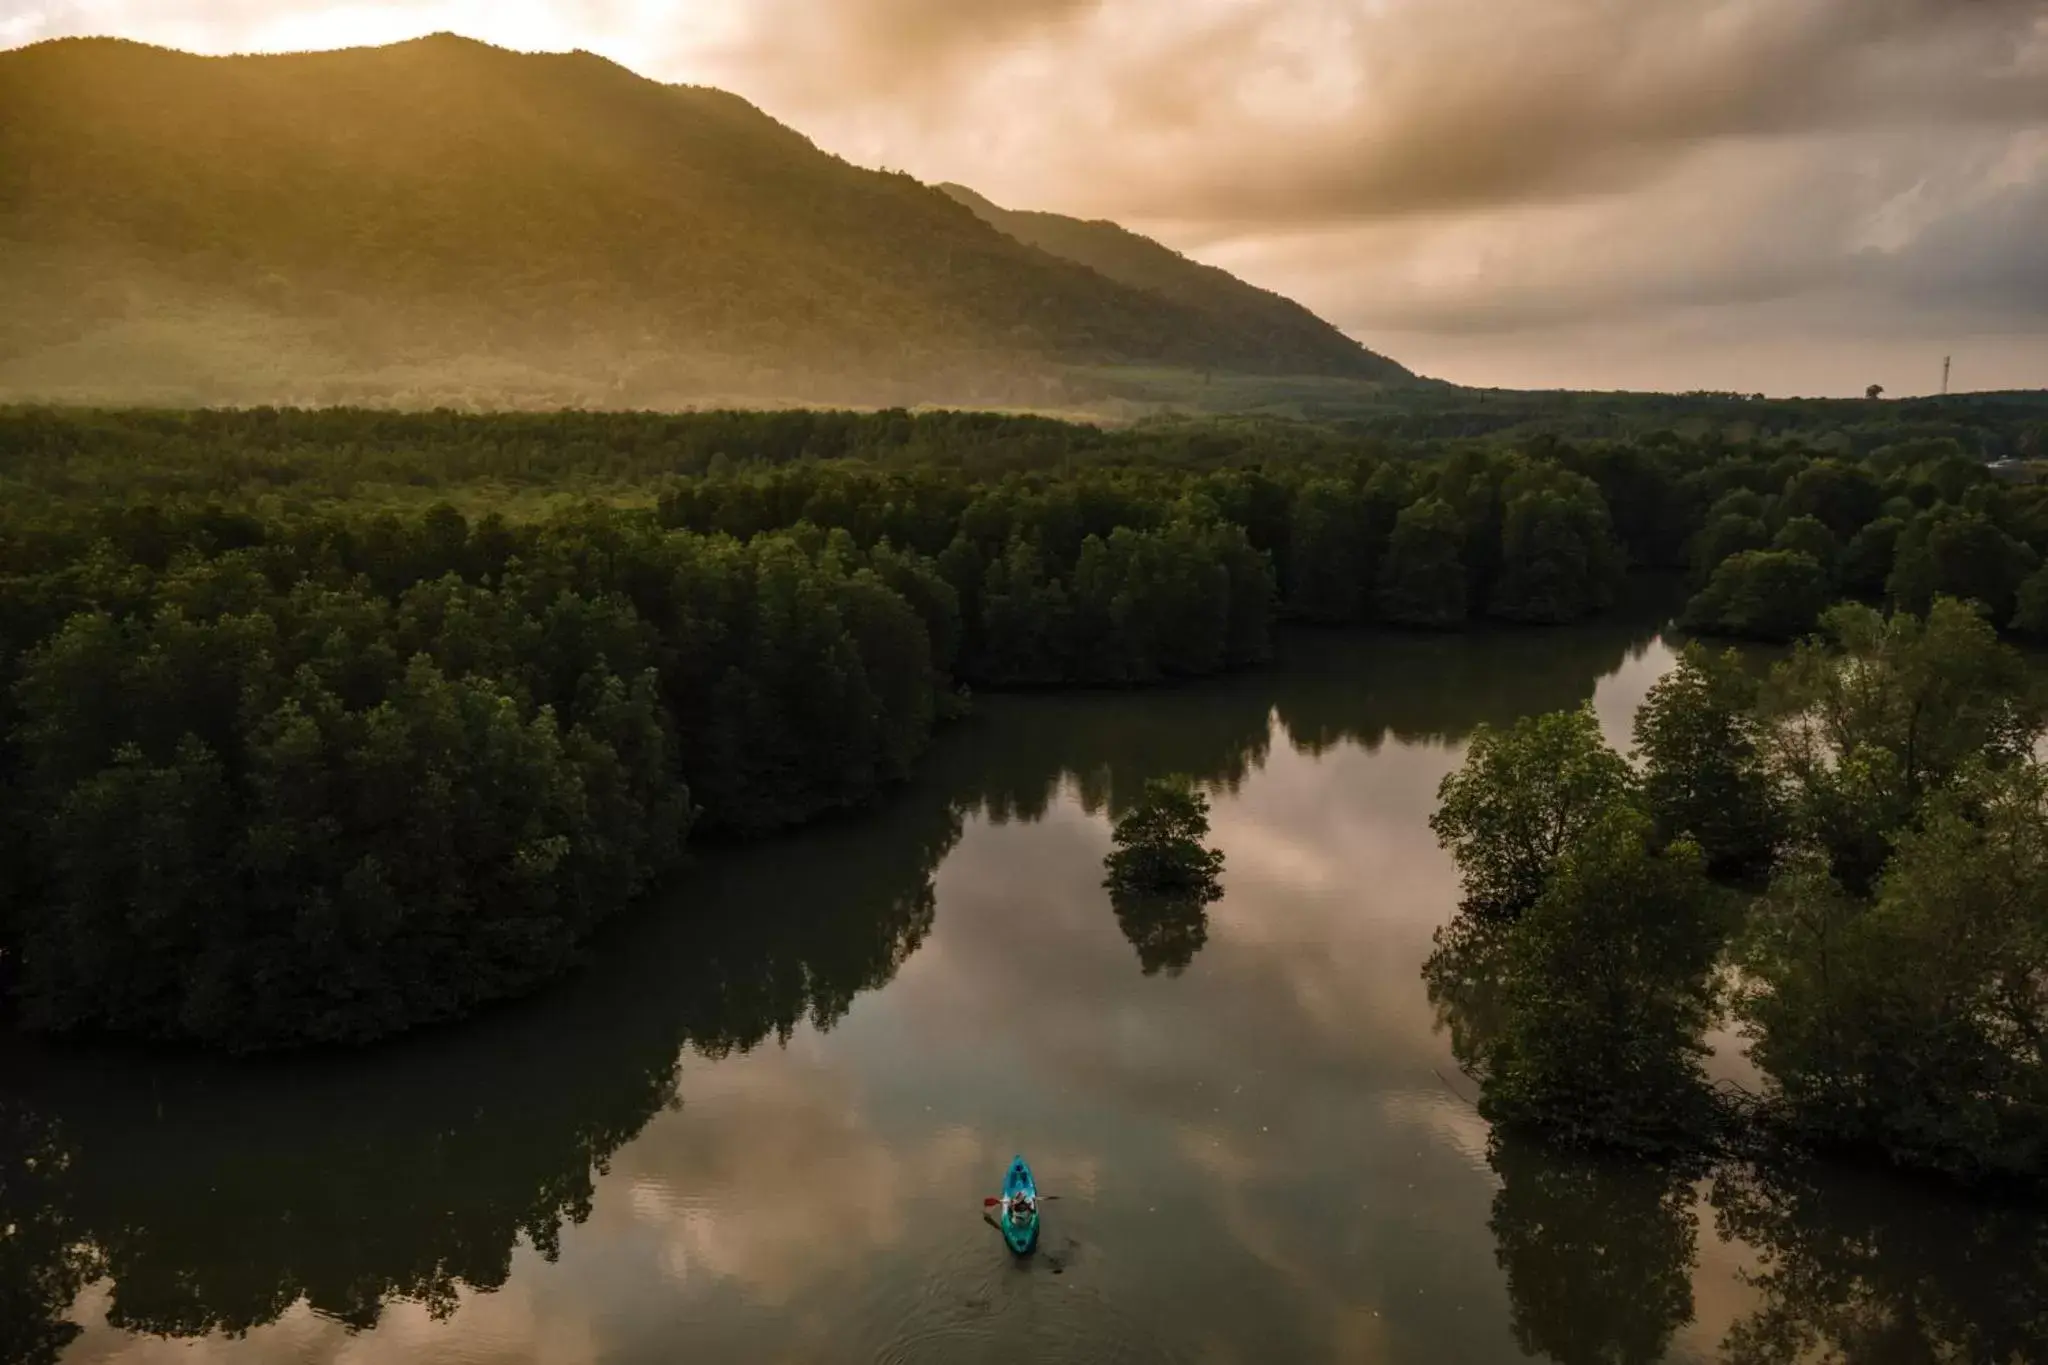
(442, 218)
(1115, 252)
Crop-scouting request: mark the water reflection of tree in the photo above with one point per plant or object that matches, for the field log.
(1366, 689)
(1166, 927)
(1598, 1251)
(1463, 977)
(1107, 745)
(1598, 1254)
(44, 1262)
(413, 1170)
(217, 1195)
(1859, 1269)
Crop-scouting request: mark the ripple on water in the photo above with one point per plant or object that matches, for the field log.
(982, 1304)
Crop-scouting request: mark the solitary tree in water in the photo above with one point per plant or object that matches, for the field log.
(1161, 876)
(1159, 842)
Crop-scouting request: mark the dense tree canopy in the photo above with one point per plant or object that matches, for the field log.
(1704, 776)
(1605, 996)
(1886, 780)
(1760, 595)
(318, 724)
(1522, 799)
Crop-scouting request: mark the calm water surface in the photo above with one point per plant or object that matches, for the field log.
(759, 1126)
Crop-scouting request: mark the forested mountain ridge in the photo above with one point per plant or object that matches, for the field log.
(445, 208)
(1130, 259)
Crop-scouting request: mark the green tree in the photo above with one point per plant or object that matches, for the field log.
(1644, 499)
(1464, 975)
(1607, 996)
(1913, 1026)
(1811, 537)
(1866, 561)
(1867, 723)
(1704, 772)
(1962, 554)
(1760, 595)
(1159, 841)
(1327, 571)
(1724, 536)
(1521, 799)
(1559, 561)
(1843, 497)
(2030, 616)
(1024, 622)
(1422, 582)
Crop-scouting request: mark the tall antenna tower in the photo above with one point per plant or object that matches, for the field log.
(1944, 375)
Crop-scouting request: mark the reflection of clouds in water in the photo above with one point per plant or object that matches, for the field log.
(1288, 1072)
(1339, 940)
(772, 1177)
(1333, 885)
(1300, 1042)
(1345, 829)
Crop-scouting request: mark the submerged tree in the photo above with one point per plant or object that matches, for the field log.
(1913, 1024)
(1159, 841)
(1521, 799)
(1704, 775)
(1605, 997)
(1161, 877)
(1862, 726)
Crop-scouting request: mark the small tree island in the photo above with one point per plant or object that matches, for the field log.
(1162, 877)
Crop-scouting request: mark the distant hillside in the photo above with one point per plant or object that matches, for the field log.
(443, 219)
(1277, 322)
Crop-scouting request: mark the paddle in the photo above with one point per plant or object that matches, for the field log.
(996, 1199)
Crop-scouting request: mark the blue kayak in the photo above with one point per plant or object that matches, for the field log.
(1020, 1227)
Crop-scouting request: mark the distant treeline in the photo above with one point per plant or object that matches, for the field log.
(1911, 523)
(330, 451)
(292, 756)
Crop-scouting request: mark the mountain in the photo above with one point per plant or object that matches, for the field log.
(442, 218)
(1276, 322)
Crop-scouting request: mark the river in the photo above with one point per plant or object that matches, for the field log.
(759, 1125)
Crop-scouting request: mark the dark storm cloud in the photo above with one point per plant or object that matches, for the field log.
(1491, 104)
(1282, 111)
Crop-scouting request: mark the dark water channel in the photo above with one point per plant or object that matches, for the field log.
(759, 1126)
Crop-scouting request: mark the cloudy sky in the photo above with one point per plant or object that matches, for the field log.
(1794, 196)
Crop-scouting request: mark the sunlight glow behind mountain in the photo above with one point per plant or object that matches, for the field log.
(1776, 195)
